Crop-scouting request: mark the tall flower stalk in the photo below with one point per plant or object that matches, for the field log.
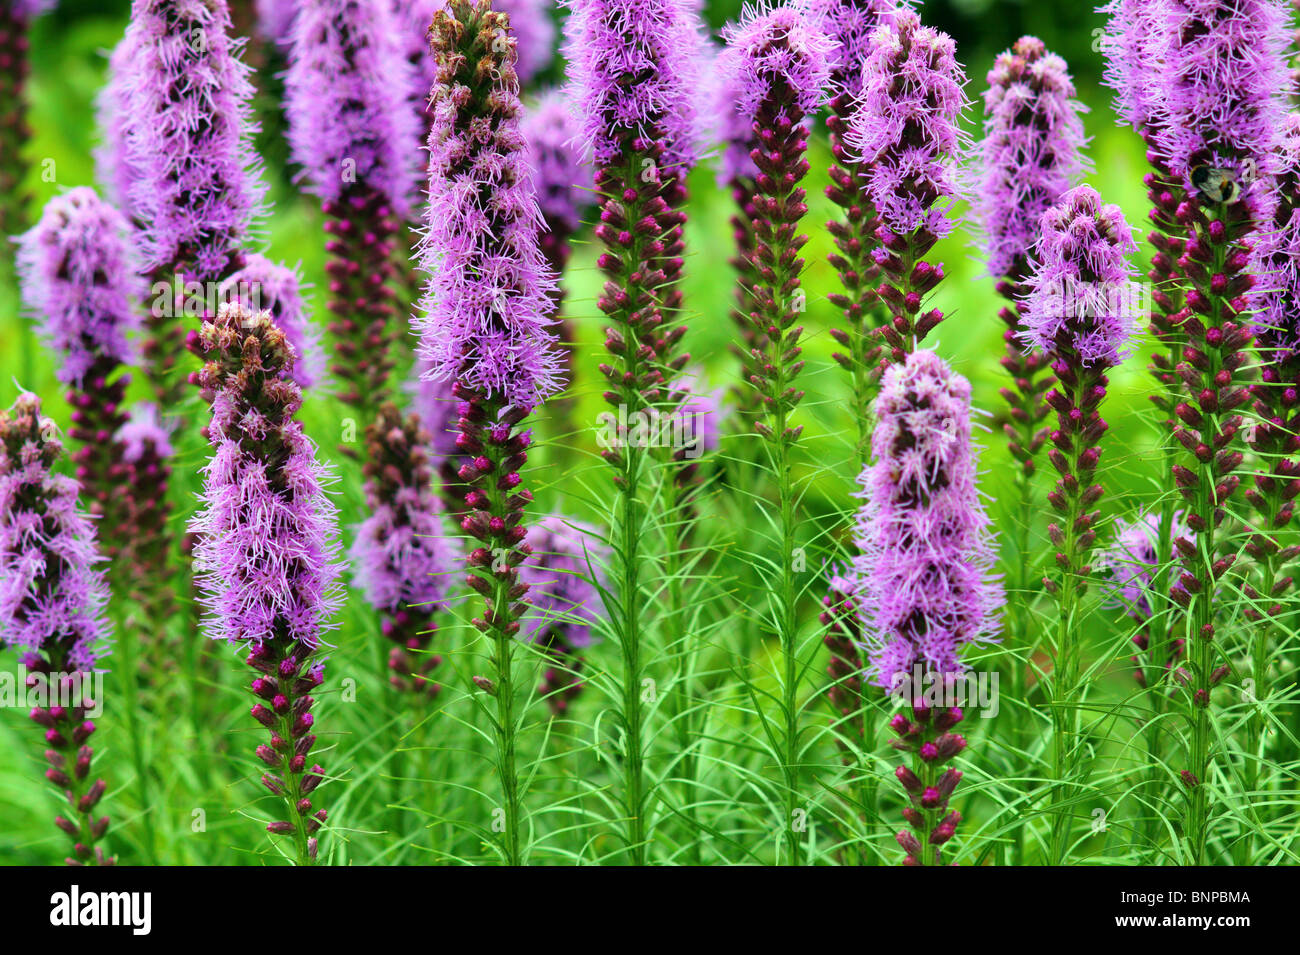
(924, 587)
(631, 72)
(352, 131)
(486, 321)
(192, 187)
(265, 557)
(402, 556)
(1029, 156)
(1230, 53)
(778, 63)
(78, 280)
(52, 611)
(905, 131)
(1077, 310)
(851, 23)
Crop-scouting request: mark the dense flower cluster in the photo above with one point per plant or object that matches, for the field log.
(924, 589)
(485, 316)
(1135, 46)
(263, 285)
(267, 542)
(850, 24)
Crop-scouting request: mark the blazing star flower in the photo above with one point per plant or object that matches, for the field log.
(1080, 299)
(634, 65)
(923, 585)
(1217, 104)
(1135, 46)
(403, 559)
(564, 603)
(345, 96)
(263, 285)
(195, 192)
(1031, 152)
(52, 600)
(850, 24)
(77, 278)
(486, 310)
(266, 545)
(906, 129)
(76, 275)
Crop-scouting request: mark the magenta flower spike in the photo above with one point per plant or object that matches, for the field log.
(924, 587)
(191, 187)
(78, 280)
(352, 131)
(263, 285)
(15, 18)
(906, 136)
(265, 557)
(403, 558)
(1080, 309)
(485, 323)
(851, 23)
(52, 600)
(566, 556)
(1226, 160)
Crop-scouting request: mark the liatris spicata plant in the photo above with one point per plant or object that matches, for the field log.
(52, 599)
(632, 67)
(1230, 53)
(78, 280)
(566, 556)
(15, 17)
(402, 555)
(266, 548)
(1079, 311)
(1273, 437)
(905, 133)
(851, 23)
(778, 63)
(352, 131)
(924, 588)
(1030, 155)
(263, 285)
(485, 323)
(194, 190)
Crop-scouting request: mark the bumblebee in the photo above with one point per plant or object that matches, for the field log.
(1217, 185)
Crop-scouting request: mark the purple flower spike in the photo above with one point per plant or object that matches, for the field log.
(634, 66)
(267, 543)
(77, 278)
(564, 602)
(265, 285)
(485, 316)
(906, 129)
(906, 139)
(52, 601)
(924, 587)
(780, 57)
(1081, 299)
(352, 129)
(1031, 152)
(403, 558)
(349, 124)
(1135, 46)
(197, 191)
